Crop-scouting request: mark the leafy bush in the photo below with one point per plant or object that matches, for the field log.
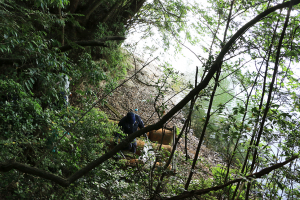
(39, 144)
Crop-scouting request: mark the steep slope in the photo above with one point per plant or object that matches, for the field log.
(140, 93)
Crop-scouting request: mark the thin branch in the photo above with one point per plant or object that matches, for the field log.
(172, 14)
(7, 166)
(270, 90)
(260, 104)
(249, 177)
(203, 131)
(110, 12)
(73, 5)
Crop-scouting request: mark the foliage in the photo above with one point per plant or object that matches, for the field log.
(233, 128)
(41, 129)
(64, 156)
(164, 86)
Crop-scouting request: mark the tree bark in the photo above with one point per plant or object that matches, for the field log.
(134, 7)
(73, 5)
(91, 9)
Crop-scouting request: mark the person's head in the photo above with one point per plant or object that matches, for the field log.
(131, 117)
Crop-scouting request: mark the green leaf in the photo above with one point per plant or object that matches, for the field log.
(280, 185)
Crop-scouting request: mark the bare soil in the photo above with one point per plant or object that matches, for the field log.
(139, 93)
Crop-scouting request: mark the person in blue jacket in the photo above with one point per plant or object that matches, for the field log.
(129, 124)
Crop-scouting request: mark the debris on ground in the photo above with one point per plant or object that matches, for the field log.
(138, 95)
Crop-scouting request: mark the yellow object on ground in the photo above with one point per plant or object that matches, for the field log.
(156, 136)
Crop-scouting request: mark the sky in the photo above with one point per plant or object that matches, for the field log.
(185, 61)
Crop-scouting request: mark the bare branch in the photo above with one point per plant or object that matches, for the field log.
(7, 166)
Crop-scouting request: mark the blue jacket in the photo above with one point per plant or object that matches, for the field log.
(128, 128)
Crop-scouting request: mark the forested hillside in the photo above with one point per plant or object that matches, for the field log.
(62, 62)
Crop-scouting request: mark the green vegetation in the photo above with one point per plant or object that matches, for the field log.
(245, 104)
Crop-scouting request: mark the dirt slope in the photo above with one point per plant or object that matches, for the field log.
(138, 94)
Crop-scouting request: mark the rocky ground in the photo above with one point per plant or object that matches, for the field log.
(140, 93)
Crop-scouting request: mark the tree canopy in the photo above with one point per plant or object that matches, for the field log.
(50, 147)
